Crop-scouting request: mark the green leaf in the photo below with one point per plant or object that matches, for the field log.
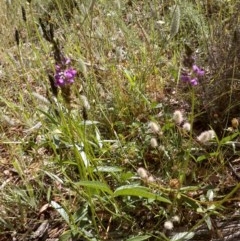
(60, 210)
(133, 190)
(201, 158)
(139, 238)
(229, 138)
(96, 185)
(107, 169)
(66, 236)
(184, 236)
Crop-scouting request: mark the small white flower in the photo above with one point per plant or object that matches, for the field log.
(177, 117)
(206, 136)
(142, 173)
(187, 127)
(168, 225)
(153, 142)
(153, 127)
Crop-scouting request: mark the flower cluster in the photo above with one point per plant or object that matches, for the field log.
(193, 75)
(64, 73)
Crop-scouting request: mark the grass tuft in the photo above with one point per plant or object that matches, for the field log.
(118, 121)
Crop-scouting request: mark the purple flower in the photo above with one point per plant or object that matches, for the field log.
(64, 74)
(67, 61)
(198, 71)
(194, 81)
(192, 76)
(185, 78)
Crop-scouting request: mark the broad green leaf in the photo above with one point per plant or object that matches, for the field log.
(83, 154)
(184, 236)
(133, 190)
(107, 169)
(139, 238)
(60, 210)
(96, 185)
(201, 158)
(66, 236)
(229, 138)
(98, 137)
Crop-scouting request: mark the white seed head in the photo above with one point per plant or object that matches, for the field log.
(176, 219)
(7, 120)
(142, 173)
(168, 225)
(235, 123)
(187, 127)
(151, 179)
(41, 98)
(85, 102)
(153, 127)
(206, 136)
(153, 142)
(178, 117)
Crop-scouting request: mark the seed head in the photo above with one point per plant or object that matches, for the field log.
(151, 179)
(41, 98)
(206, 136)
(168, 225)
(235, 123)
(178, 117)
(187, 127)
(142, 173)
(17, 38)
(24, 14)
(153, 127)
(85, 102)
(176, 219)
(153, 142)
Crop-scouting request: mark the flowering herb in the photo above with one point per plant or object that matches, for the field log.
(64, 73)
(193, 75)
(193, 72)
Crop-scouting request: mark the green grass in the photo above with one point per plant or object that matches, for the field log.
(124, 170)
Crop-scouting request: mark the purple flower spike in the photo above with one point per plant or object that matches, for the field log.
(64, 74)
(185, 78)
(67, 61)
(193, 75)
(194, 81)
(70, 73)
(198, 71)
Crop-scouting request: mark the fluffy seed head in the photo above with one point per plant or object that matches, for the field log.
(41, 98)
(235, 123)
(153, 142)
(206, 136)
(168, 225)
(151, 179)
(142, 173)
(187, 127)
(7, 120)
(85, 102)
(177, 117)
(176, 219)
(153, 127)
